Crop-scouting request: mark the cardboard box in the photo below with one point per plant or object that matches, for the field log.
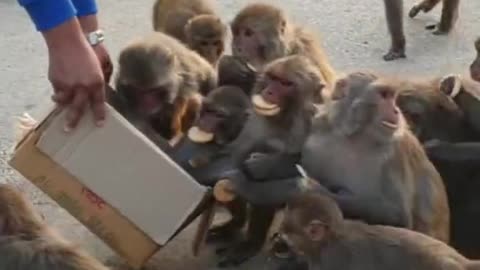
(112, 179)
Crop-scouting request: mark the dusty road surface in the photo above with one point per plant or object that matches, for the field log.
(353, 32)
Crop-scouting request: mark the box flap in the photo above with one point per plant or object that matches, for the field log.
(127, 170)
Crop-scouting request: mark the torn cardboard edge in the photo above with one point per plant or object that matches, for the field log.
(102, 219)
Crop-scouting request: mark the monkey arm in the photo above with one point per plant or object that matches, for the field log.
(453, 152)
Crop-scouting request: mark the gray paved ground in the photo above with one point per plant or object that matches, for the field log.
(354, 36)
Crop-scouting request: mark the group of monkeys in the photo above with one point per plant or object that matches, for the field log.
(371, 172)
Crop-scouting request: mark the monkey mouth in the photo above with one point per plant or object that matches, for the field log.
(264, 107)
(199, 136)
(390, 124)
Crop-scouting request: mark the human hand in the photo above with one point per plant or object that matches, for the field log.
(105, 61)
(75, 73)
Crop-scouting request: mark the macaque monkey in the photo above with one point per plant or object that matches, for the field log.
(27, 243)
(193, 22)
(363, 138)
(161, 80)
(283, 103)
(315, 235)
(263, 33)
(394, 16)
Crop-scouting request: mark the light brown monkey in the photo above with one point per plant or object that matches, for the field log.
(27, 243)
(315, 235)
(475, 66)
(363, 138)
(263, 33)
(193, 22)
(161, 79)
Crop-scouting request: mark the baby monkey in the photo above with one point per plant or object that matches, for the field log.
(27, 243)
(314, 235)
(193, 22)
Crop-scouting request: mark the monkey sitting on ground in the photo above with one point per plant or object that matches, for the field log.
(263, 33)
(283, 104)
(26, 242)
(362, 153)
(394, 16)
(161, 80)
(193, 22)
(315, 235)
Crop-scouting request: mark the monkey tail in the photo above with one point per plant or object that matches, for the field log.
(24, 124)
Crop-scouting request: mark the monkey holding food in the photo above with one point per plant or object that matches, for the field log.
(263, 33)
(193, 22)
(162, 80)
(27, 243)
(362, 153)
(315, 235)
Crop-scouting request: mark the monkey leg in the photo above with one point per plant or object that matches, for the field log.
(393, 14)
(226, 232)
(448, 18)
(261, 218)
(425, 6)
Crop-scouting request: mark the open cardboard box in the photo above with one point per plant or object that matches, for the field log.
(114, 180)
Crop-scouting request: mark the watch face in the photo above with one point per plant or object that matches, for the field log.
(95, 37)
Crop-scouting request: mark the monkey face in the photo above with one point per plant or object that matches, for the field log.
(206, 35)
(222, 116)
(282, 257)
(259, 35)
(287, 83)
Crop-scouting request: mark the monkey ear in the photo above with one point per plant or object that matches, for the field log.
(316, 230)
(451, 85)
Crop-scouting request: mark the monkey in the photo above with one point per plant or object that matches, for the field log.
(363, 138)
(263, 33)
(475, 66)
(235, 71)
(194, 23)
(394, 17)
(27, 243)
(162, 80)
(283, 104)
(314, 234)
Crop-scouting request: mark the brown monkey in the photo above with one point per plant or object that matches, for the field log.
(193, 22)
(283, 104)
(363, 138)
(475, 66)
(315, 235)
(26, 242)
(263, 33)
(161, 79)
(394, 17)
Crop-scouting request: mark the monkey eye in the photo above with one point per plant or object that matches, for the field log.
(217, 43)
(248, 32)
(286, 83)
(204, 43)
(386, 94)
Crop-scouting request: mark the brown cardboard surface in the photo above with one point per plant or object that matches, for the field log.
(144, 199)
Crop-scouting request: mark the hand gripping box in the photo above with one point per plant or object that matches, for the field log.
(112, 179)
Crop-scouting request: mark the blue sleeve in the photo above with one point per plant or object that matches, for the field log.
(85, 7)
(47, 14)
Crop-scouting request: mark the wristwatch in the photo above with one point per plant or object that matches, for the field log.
(95, 37)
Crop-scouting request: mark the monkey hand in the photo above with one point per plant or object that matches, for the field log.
(75, 73)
